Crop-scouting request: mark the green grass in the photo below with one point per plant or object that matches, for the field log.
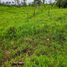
(38, 40)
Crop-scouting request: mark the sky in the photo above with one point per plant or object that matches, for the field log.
(28, 1)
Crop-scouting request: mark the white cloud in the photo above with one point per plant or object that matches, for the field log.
(28, 1)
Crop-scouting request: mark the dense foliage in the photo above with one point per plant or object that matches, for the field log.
(61, 3)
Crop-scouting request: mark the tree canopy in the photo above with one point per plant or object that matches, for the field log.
(61, 3)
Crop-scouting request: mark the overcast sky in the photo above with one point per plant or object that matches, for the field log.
(28, 1)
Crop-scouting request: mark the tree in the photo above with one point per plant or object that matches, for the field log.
(17, 2)
(24, 2)
(0, 1)
(37, 2)
(61, 3)
(43, 1)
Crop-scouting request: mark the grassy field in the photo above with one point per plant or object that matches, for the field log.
(35, 36)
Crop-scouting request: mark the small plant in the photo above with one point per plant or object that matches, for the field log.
(11, 33)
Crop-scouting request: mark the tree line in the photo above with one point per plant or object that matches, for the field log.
(59, 3)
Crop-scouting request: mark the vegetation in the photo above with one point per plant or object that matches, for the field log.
(38, 40)
(61, 3)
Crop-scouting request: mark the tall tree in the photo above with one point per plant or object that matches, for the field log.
(17, 2)
(43, 1)
(37, 2)
(24, 2)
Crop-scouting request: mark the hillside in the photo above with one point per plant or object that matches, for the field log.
(35, 36)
